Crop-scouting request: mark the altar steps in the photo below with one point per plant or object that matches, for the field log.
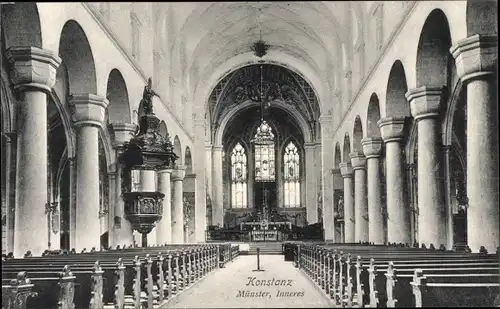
(266, 248)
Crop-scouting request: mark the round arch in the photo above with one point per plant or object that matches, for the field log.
(163, 129)
(76, 53)
(117, 95)
(346, 150)
(482, 17)
(396, 104)
(373, 115)
(178, 150)
(337, 155)
(21, 24)
(357, 135)
(188, 160)
(433, 51)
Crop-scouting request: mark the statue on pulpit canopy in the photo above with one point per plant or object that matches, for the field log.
(147, 97)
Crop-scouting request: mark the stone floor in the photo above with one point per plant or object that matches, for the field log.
(279, 285)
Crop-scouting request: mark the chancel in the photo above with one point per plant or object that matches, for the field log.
(348, 147)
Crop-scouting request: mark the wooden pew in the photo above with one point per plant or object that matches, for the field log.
(351, 283)
(159, 274)
(455, 291)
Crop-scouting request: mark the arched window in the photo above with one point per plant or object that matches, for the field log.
(291, 160)
(238, 177)
(264, 153)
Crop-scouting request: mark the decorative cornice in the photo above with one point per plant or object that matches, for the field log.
(395, 32)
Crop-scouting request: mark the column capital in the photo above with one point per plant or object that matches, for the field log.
(335, 171)
(345, 169)
(122, 132)
(179, 173)
(88, 109)
(391, 128)
(217, 147)
(309, 146)
(208, 146)
(164, 171)
(325, 118)
(32, 67)
(358, 160)
(425, 101)
(372, 146)
(190, 176)
(475, 56)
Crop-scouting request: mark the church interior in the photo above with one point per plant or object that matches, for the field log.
(151, 148)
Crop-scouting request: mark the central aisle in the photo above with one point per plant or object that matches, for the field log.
(280, 285)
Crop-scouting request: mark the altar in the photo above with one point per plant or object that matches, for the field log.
(257, 226)
(270, 235)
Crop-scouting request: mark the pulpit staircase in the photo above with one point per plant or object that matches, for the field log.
(271, 248)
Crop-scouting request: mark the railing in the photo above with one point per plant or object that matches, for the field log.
(305, 233)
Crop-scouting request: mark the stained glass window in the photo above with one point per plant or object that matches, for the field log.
(264, 153)
(291, 160)
(239, 177)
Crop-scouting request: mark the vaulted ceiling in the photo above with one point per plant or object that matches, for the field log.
(212, 33)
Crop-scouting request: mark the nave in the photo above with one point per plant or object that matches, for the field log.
(224, 275)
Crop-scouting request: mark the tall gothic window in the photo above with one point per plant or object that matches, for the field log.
(238, 177)
(264, 153)
(291, 161)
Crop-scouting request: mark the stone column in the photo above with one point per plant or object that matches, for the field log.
(372, 147)
(358, 162)
(311, 185)
(189, 186)
(476, 60)
(217, 189)
(398, 215)
(88, 111)
(346, 171)
(111, 209)
(177, 205)
(327, 162)
(33, 74)
(447, 197)
(425, 104)
(122, 229)
(199, 164)
(251, 180)
(147, 180)
(147, 183)
(164, 226)
(208, 173)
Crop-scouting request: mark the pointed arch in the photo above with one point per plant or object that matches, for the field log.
(264, 152)
(239, 176)
(291, 175)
